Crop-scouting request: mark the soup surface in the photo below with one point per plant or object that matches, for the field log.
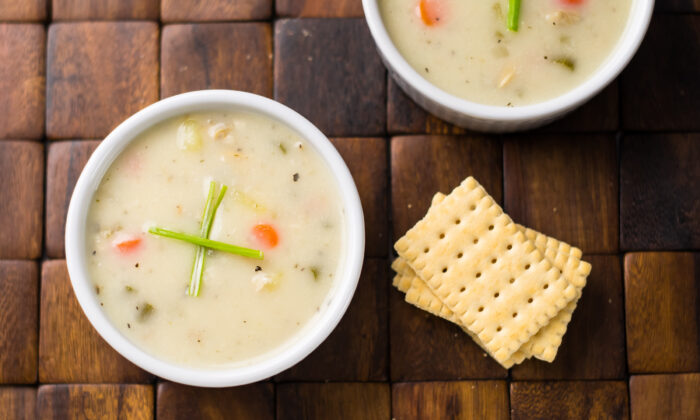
(281, 199)
(465, 47)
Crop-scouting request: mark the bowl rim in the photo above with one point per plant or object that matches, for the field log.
(297, 347)
(630, 40)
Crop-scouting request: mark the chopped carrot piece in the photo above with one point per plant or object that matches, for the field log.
(126, 243)
(265, 235)
(572, 2)
(430, 11)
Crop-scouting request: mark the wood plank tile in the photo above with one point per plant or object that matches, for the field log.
(102, 71)
(216, 56)
(95, 401)
(104, 9)
(424, 165)
(17, 403)
(589, 351)
(23, 11)
(19, 282)
(569, 400)
(22, 191)
(677, 6)
(360, 340)
(367, 160)
(565, 187)
(70, 350)
(22, 80)
(214, 10)
(650, 98)
(367, 401)
(319, 8)
(317, 63)
(660, 192)
(665, 396)
(454, 400)
(405, 116)
(425, 347)
(64, 162)
(175, 401)
(662, 301)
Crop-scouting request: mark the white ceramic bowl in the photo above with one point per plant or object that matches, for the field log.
(318, 327)
(505, 119)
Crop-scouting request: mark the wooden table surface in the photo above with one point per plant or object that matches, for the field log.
(620, 178)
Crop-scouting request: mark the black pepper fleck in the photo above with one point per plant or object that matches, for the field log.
(258, 268)
(128, 325)
(136, 265)
(295, 177)
(94, 252)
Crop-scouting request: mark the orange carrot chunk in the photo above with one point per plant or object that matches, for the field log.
(265, 235)
(430, 11)
(126, 243)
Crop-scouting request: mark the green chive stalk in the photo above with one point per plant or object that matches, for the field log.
(208, 243)
(513, 15)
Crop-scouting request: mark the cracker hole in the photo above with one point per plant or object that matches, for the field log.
(478, 275)
(476, 240)
(462, 289)
(426, 250)
(529, 300)
(527, 266)
(545, 286)
(481, 309)
(498, 329)
(442, 236)
(460, 255)
(496, 294)
(561, 272)
(511, 281)
(457, 221)
(472, 207)
(509, 247)
(515, 314)
(493, 261)
(490, 227)
(444, 269)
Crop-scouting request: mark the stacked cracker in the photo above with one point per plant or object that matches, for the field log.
(512, 289)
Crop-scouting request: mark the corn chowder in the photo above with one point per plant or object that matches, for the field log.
(214, 238)
(505, 52)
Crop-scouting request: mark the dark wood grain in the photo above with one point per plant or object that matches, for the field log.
(214, 10)
(594, 344)
(175, 401)
(565, 187)
(22, 192)
(663, 94)
(425, 347)
(329, 71)
(665, 396)
(405, 116)
(569, 400)
(368, 401)
(216, 56)
(101, 71)
(357, 349)
(64, 162)
(662, 301)
(104, 9)
(660, 192)
(424, 165)
(22, 11)
(70, 350)
(677, 5)
(19, 282)
(22, 80)
(17, 403)
(319, 8)
(367, 160)
(462, 400)
(104, 401)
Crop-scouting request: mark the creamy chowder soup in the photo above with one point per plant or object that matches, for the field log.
(469, 49)
(280, 198)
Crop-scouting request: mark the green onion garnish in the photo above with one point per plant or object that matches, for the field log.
(200, 252)
(513, 15)
(208, 243)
